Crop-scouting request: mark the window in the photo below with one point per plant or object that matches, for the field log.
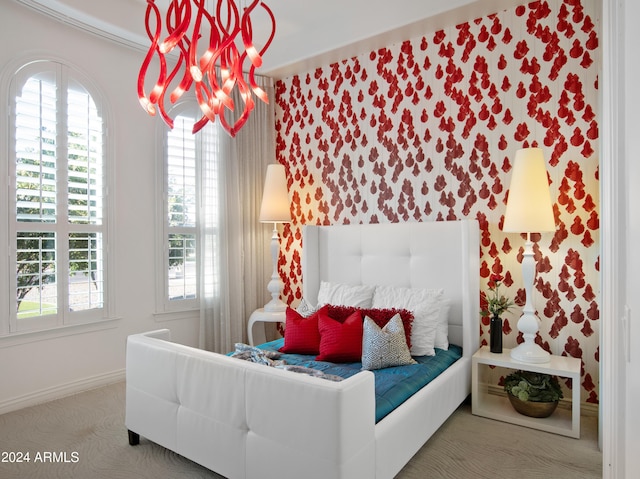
(57, 227)
(181, 210)
(180, 263)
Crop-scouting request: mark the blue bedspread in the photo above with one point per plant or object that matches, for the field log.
(393, 385)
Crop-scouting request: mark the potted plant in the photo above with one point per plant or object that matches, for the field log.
(533, 394)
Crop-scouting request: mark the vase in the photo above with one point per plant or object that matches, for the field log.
(533, 409)
(495, 334)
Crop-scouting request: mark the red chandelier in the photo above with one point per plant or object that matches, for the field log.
(214, 71)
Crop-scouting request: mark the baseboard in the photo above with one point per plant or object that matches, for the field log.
(586, 408)
(63, 390)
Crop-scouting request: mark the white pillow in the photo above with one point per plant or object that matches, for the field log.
(339, 294)
(425, 305)
(442, 330)
(384, 347)
(407, 298)
(423, 331)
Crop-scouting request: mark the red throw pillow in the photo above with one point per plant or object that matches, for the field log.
(340, 341)
(301, 335)
(380, 316)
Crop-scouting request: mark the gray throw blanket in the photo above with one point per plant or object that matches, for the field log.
(272, 358)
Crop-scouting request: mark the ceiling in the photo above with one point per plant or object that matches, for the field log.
(309, 33)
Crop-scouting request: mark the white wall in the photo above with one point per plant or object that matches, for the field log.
(38, 367)
(620, 260)
(631, 257)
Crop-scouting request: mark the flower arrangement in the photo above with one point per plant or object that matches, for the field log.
(497, 303)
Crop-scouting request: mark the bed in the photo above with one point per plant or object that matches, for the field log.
(245, 420)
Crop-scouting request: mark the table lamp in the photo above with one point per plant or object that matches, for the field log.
(529, 210)
(275, 209)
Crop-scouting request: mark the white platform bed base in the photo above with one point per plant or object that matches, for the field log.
(245, 420)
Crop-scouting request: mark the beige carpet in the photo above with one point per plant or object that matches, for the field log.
(87, 430)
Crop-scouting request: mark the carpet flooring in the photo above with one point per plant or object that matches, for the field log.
(83, 437)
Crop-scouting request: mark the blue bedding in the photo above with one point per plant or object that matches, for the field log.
(393, 385)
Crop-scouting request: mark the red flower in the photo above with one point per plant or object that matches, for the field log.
(495, 303)
(494, 280)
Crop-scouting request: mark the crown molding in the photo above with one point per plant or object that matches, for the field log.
(86, 23)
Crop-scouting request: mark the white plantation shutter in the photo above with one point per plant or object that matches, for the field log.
(38, 285)
(86, 287)
(58, 183)
(85, 158)
(36, 133)
(180, 262)
(181, 174)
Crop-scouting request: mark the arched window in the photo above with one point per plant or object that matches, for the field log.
(57, 209)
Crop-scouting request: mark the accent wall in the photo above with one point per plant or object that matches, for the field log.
(427, 130)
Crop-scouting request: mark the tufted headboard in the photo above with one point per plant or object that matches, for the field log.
(437, 254)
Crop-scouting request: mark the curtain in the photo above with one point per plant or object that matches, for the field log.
(235, 263)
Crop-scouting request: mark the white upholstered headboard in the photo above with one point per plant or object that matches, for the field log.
(436, 254)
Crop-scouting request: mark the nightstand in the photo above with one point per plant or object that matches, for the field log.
(262, 316)
(495, 405)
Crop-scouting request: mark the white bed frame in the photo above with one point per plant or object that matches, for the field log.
(245, 420)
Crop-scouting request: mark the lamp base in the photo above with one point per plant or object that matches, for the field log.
(276, 305)
(529, 352)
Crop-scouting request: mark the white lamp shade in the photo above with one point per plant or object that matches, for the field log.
(529, 208)
(275, 206)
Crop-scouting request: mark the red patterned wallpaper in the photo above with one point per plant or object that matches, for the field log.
(426, 130)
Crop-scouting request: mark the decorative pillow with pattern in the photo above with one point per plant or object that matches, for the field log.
(305, 308)
(384, 347)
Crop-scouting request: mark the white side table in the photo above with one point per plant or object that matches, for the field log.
(496, 406)
(262, 316)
